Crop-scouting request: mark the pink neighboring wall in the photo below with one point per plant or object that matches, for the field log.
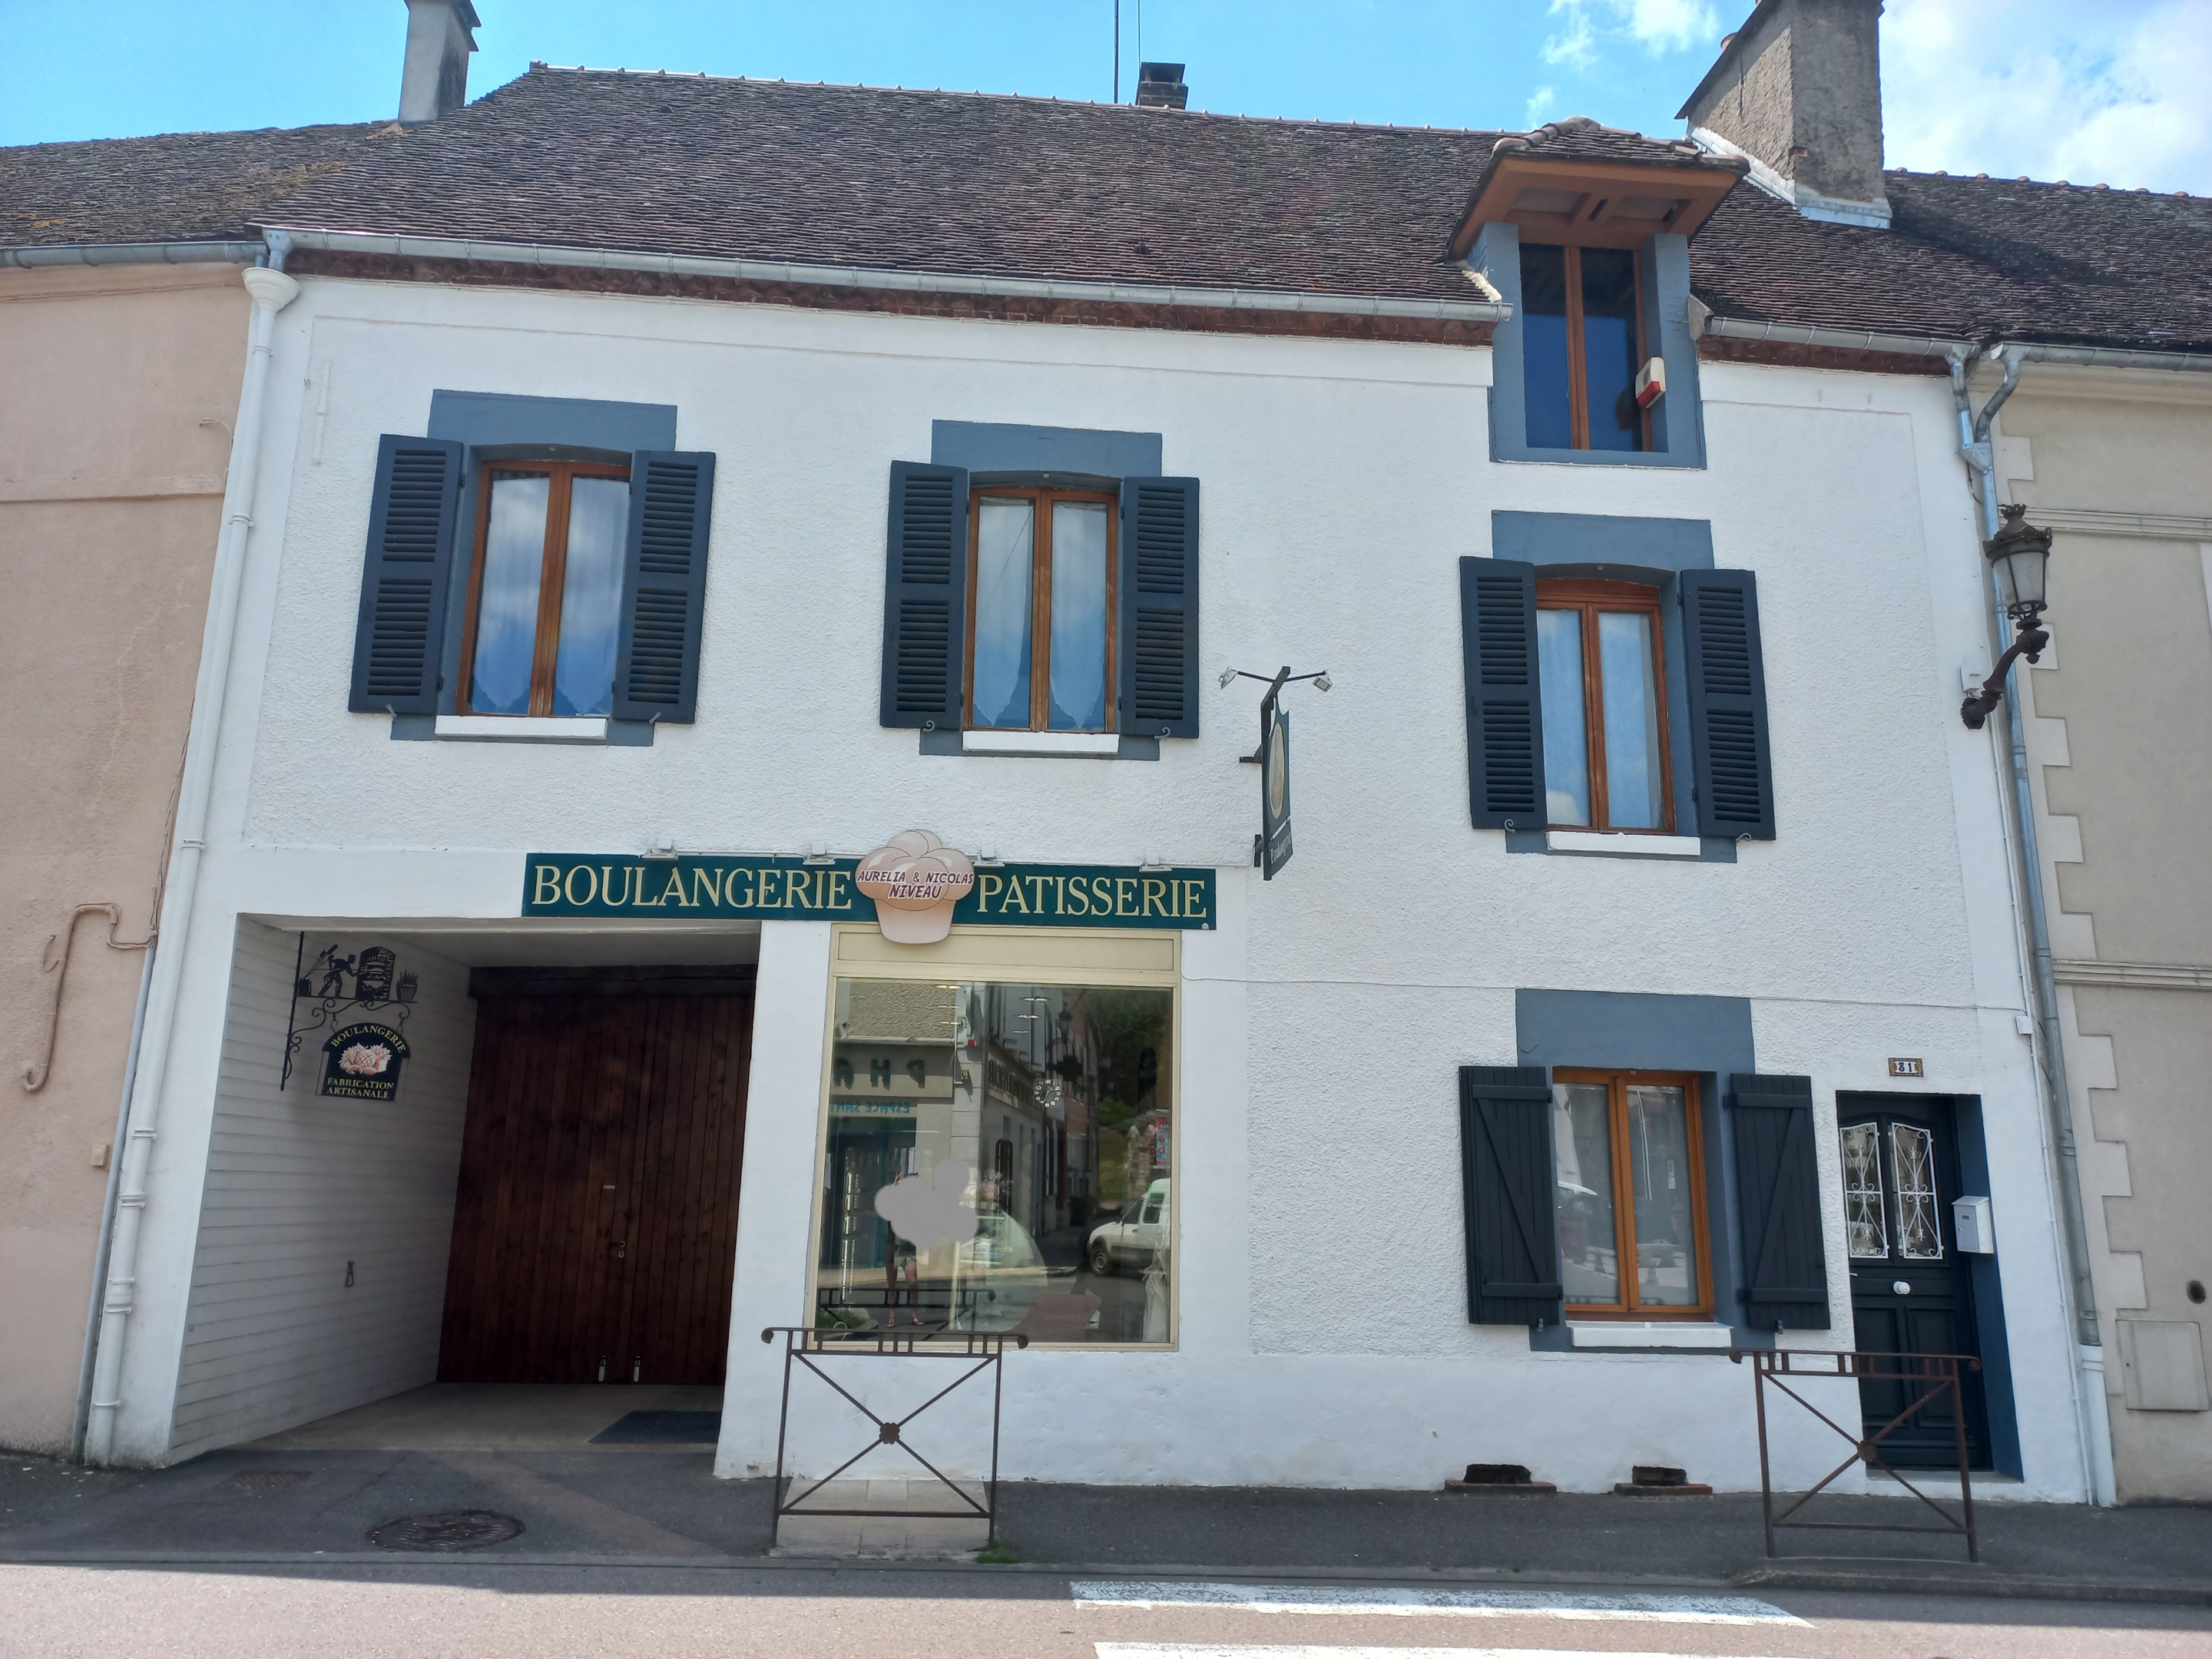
(114, 438)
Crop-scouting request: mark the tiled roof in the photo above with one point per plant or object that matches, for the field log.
(976, 185)
(1973, 259)
(936, 181)
(179, 188)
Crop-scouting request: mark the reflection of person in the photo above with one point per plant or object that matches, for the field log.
(901, 1284)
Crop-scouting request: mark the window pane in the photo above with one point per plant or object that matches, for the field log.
(1912, 1164)
(1633, 801)
(1659, 1177)
(506, 608)
(1544, 348)
(1566, 738)
(591, 596)
(1581, 1142)
(1864, 1213)
(1079, 617)
(997, 1160)
(1005, 541)
(1609, 363)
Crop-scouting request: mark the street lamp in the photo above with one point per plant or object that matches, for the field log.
(2020, 556)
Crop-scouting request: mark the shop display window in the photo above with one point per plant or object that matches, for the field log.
(999, 1156)
(1630, 1194)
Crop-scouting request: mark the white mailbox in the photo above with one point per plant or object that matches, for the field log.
(1970, 1222)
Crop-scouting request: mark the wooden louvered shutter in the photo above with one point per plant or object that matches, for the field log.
(399, 638)
(1728, 704)
(1159, 607)
(1506, 1172)
(1785, 1259)
(671, 502)
(925, 598)
(1505, 708)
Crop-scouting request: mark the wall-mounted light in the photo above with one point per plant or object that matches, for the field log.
(2019, 554)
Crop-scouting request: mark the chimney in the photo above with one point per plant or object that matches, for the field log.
(440, 35)
(1159, 86)
(1797, 91)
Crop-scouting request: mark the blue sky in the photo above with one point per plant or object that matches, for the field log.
(2105, 92)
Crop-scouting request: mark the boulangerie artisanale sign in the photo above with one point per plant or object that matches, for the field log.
(363, 1061)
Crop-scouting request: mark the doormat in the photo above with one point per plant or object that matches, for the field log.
(662, 1429)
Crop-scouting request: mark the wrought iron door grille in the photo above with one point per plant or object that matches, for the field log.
(1927, 1378)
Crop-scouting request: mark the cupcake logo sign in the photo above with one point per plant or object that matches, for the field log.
(915, 880)
(362, 1062)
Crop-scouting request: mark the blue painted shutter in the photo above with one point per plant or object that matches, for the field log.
(1505, 708)
(1506, 1174)
(671, 502)
(1727, 673)
(925, 598)
(1785, 1259)
(1159, 607)
(399, 638)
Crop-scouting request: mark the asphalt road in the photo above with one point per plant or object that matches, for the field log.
(472, 1611)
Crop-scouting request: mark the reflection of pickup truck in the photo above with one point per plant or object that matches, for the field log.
(1133, 1236)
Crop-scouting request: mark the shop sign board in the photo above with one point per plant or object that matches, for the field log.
(363, 1061)
(1275, 797)
(704, 886)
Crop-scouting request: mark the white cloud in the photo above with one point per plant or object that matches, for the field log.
(1657, 26)
(1540, 108)
(1670, 25)
(1576, 44)
(2106, 93)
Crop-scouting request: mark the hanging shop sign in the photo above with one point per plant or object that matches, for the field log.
(1275, 797)
(362, 1062)
(699, 887)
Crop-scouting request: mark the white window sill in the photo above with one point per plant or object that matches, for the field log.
(522, 728)
(1623, 844)
(1655, 1333)
(1040, 743)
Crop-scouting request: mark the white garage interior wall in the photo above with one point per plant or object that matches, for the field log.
(298, 1186)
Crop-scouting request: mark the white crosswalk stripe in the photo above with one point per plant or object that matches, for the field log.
(1246, 1650)
(1470, 1602)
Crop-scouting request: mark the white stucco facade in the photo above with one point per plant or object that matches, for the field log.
(1322, 1337)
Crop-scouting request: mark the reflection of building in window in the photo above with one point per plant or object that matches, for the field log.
(1628, 1193)
(1047, 1106)
(545, 589)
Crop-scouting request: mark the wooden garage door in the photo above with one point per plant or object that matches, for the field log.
(595, 1227)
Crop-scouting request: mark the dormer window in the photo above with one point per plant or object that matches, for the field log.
(1581, 347)
(1584, 232)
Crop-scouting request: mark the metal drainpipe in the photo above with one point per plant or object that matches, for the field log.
(1977, 448)
(272, 291)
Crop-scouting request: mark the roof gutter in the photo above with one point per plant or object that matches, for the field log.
(134, 253)
(910, 282)
(1918, 345)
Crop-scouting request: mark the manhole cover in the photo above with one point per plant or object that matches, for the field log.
(262, 1483)
(455, 1529)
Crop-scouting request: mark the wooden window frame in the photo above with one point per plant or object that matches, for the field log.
(1577, 355)
(1045, 498)
(1624, 1197)
(1592, 598)
(551, 576)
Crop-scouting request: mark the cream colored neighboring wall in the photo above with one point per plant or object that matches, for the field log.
(114, 436)
(2123, 739)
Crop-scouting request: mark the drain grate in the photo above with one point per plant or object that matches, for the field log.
(262, 1483)
(453, 1529)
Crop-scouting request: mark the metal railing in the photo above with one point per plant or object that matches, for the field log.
(805, 1345)
(1927, 1379)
